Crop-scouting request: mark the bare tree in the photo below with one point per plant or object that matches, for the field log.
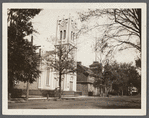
(62, 60)
(122, 30)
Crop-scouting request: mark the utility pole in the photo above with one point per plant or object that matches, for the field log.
(96, 48)
(28, 82)
(27, 90)
(27, 87)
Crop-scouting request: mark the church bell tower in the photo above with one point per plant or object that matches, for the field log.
(66, 37)
(65, 31)
(65, 34)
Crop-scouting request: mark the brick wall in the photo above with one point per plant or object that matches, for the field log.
(82, 88)
(22, 93)
(81, 77)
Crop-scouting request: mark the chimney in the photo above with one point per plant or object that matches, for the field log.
(79, 62)
(95, 62)
(32, 40)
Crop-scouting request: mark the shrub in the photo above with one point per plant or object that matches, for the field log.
(113, 93)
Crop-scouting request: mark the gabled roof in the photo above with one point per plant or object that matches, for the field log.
(48, 53)
(95, 63)
(86, 70)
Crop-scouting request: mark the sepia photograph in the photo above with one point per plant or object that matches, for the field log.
(74, 59)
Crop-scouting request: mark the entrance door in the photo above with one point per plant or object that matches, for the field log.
(71, 86)
(62, 84)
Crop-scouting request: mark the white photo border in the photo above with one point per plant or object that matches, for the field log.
(105, 112)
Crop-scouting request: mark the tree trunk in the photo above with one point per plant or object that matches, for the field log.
(27, 90)
(122, 92)
(106, 91)
(59, 84)
(139, 19)
(10, 88)
(100, 91)
(60, 71)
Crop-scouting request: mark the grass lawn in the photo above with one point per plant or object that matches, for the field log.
(125, 102)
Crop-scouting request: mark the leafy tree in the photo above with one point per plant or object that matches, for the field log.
(120, 76)
(121, 31)
(62, 60)
(108, 77)
(23, 61)
(97, 82)
(128, 75)
(134, 78)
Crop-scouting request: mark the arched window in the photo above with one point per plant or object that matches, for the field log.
(71, 35)
(48, 76)
(71, 79)
(60, 35)
(64, 34)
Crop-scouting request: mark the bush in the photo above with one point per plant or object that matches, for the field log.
(78, 93)
(45, 92)
(17, 93)
(90, 93)
(113, 93)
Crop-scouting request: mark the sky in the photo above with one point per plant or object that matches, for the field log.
(45, 24)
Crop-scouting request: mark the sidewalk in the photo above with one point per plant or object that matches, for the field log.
(16, 100)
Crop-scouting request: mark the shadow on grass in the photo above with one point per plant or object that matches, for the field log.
(120, 107)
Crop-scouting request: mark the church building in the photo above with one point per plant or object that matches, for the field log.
(48, 81)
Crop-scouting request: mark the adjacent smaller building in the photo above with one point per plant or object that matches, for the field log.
(85, 81)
